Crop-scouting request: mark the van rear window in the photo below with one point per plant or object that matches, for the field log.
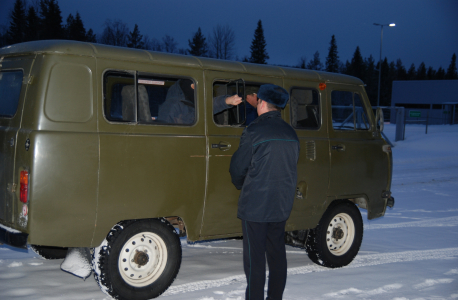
(10, 90)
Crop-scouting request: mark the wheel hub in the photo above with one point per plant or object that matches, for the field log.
(141, 258)
(337, 233)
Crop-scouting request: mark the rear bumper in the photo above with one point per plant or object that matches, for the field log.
(13, 237)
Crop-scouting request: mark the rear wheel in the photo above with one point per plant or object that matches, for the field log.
(138, 259)
(47, 252)
(336, 240)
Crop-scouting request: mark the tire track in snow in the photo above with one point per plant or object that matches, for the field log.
(358, 262)
(436, 222)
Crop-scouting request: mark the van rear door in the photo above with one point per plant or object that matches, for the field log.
(14, 75)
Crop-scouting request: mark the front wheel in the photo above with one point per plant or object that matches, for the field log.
(336, 240)
(138, 259)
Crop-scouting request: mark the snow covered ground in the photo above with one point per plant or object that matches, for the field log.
(411, 253)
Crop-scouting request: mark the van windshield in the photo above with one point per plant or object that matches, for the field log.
(10, 89)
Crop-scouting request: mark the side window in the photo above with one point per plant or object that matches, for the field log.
(348, 111)
(10, 90)
(305, 109)
(240, 115)
(148, 99)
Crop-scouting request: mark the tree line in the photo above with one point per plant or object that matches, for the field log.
(42, 20)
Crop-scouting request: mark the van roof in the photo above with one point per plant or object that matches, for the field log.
(65, 47)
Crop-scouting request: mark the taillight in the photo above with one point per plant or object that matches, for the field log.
(24, 190)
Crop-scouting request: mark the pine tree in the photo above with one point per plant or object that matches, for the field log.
(134, 40)
(451, 71)
(371, 79)
(332, 60)
(357, 67)
(431, 74)
(411, 73)
(315, 63)
(51, 25)
(198, 46)
(421, 72)
(401, 72)
(75, 29)
(17, 25)
(90, 36)
(32, 25)
(440, 74)
(258, 46)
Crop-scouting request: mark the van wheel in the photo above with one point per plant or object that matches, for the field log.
(138, 259)
(47, 252)
(336, 240)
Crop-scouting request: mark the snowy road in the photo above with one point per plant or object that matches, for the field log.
(411, 253)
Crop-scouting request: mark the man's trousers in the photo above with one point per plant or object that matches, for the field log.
(260, 241)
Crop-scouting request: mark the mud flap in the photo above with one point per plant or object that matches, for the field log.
(78, 262)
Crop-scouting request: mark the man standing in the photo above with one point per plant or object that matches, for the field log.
(264, 167)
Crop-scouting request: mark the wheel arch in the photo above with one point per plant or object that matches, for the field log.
(176, 221)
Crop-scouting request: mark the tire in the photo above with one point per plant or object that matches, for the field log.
(47, 252)
(138, 259)
(336, 240)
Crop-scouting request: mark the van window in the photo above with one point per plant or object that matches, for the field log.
(305, 109)
(10, 90)
(148, 99)
(236, 116)
(348, 111)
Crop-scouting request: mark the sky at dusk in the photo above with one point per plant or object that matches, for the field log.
(426, 30)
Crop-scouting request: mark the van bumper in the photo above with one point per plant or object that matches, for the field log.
(15, 239)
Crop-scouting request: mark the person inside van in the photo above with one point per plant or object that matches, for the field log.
(179, 104)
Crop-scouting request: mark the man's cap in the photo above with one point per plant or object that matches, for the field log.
(273, 94)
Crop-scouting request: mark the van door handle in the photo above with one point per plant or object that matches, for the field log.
(338, 147)
(221, 146)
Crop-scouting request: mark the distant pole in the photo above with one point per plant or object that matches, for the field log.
(380, 60)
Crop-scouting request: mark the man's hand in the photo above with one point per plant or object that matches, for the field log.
(233, 100)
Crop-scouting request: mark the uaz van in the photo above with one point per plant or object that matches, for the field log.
(89, 161)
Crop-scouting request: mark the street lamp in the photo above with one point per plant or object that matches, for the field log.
(380, 61)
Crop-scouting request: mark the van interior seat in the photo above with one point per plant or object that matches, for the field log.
(128, 104)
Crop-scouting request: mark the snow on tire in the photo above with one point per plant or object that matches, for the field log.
(336, 240)
(138, 259)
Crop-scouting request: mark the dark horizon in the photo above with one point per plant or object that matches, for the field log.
(425, 31)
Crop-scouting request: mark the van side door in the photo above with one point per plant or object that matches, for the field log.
(306, 112)
(359, 167)
(223, 133)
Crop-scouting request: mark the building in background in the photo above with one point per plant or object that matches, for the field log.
(433, 100)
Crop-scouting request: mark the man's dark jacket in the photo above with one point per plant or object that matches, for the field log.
(265, 168)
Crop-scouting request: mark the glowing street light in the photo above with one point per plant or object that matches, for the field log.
(380, 61)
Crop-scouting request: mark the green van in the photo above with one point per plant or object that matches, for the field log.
(88, 160)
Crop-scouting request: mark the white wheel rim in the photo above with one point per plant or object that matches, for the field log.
(142, 259)
(340, 234)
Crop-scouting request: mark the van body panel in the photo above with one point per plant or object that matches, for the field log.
(9, 128)
(63, 192)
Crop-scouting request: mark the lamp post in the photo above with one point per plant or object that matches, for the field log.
(380, 61)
